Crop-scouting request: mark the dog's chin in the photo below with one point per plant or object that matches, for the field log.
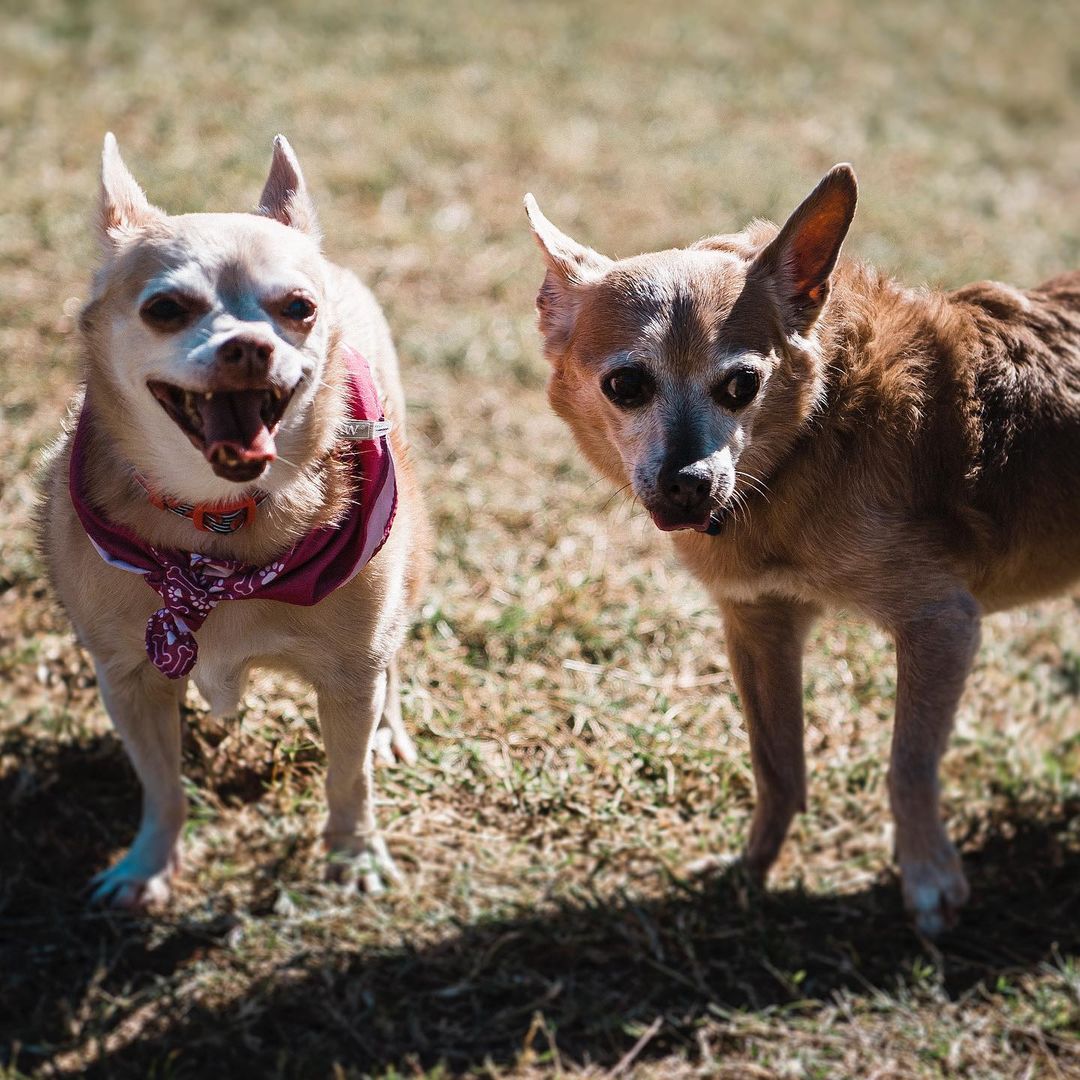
(710, 524)
(665, 521)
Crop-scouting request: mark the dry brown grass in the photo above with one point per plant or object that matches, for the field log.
(579, 734)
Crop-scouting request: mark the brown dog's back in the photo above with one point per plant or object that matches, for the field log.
(1027, 467)
(955, 416)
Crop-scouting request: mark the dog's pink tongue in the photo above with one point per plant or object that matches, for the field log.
(234, 420)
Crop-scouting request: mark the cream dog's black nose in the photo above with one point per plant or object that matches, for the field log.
(247, 354)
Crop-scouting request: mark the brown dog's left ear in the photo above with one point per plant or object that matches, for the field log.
(284, 196)
(802, 257)
(571, 267)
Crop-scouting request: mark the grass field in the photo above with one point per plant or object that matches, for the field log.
(579, 732)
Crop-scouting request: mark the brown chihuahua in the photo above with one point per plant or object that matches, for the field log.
(816, 435)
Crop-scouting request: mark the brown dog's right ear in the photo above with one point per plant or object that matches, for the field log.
(124, 208)
(801, 259)
(570, 267)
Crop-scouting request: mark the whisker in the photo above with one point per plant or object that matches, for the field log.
(759, 485)
(614, 495)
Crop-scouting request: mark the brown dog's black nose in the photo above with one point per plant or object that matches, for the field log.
(688, 487)
(247, 355)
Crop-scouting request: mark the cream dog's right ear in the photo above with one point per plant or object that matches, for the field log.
(124, 208)
(285, 196)
(571, 267)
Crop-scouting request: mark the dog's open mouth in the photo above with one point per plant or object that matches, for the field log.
(233, 429)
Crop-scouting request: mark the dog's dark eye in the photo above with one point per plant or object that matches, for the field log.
(298, 309)
(164, 313)
(738, 389)
(628, 387)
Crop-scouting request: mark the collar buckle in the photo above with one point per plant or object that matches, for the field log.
(226, 518)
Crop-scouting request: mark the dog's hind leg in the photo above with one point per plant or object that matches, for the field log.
(934, 651)
(765, 646)
(347, 716)
(392, 739)
(144, 707)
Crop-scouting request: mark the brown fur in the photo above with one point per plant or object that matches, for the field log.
(911, 455)
(345, 645)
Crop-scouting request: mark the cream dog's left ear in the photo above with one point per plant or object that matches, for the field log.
(124, 208)
(284, 196)
(571, 268)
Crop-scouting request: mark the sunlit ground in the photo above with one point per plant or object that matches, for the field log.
(579, 734)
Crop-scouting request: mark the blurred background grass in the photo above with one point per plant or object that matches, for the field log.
(579, 731)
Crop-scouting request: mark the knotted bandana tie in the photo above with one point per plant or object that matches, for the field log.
(192, 585)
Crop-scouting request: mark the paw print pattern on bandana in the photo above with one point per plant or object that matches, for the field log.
(268, 573)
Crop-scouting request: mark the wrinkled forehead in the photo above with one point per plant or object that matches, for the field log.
(683, 309)
(225, 254)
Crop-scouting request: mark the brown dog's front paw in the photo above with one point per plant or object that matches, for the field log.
(363, 862)
(709, 866)
(740, 883)
(934, 891)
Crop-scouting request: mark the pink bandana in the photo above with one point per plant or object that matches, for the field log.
(192, 585)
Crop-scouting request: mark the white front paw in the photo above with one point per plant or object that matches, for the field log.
(137, 882)
(392, 743)
(934, 889)
(363, 862)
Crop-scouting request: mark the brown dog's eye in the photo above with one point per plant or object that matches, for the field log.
(738, 389)
(628, 387)
(298, 308)
(164, 313)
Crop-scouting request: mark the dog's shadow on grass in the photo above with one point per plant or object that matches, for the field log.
(578, 982)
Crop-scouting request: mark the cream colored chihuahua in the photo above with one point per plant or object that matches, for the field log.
(815, 435)
(234, 492)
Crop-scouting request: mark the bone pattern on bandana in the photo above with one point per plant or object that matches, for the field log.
(190, 593)
(191, 585)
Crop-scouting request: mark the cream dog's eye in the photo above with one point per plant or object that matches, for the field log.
(165, 312)
(739, 390)
(628, 387)
(299, 308)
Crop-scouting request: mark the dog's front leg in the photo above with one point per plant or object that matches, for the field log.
(347, 716)
(765, 646)
(934, 651)
(144, 707)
